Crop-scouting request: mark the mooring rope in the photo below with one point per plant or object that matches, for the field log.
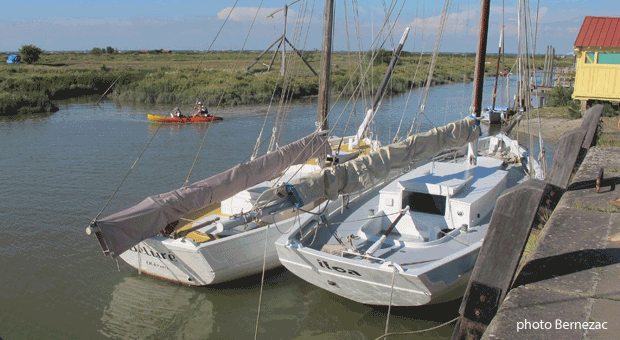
(262, 281)
(387, 321)
(419, 331)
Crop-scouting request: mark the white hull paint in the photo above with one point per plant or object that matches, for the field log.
(183, 261)
(429, 271)
(228, 258)
(371, 283)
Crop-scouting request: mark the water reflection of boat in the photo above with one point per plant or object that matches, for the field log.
(141, 308)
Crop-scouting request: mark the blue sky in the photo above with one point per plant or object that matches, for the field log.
(193, 25)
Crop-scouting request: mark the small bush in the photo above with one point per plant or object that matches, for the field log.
(30, 53)
(560, 96)
(608, 110)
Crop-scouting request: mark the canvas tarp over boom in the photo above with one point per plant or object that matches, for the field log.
(125, 229)
(363, 172)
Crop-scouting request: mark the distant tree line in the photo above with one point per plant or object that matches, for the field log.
(99, 51)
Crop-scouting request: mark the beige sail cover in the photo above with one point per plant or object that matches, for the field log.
(128, 227)
(365, 171)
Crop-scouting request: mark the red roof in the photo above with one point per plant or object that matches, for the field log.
(599, 32)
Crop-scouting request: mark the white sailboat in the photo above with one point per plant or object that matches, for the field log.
(201, 234)
(412, 240)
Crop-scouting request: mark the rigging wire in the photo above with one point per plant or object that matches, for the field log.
(413, 79)
(197, 153)
(350, 79)
(218, 105)
(294, 69)
(159, 126)
(127, 175)
(438, 40)
(242, 46)
(375, 42)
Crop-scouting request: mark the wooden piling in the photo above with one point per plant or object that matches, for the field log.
(509, 229)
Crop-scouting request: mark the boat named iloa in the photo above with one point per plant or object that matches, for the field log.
(413, 241)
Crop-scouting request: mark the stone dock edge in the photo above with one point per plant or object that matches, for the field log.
(570, 285)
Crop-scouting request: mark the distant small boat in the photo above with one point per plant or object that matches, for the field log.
(162, 119)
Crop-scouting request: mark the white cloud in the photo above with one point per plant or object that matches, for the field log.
(456, 22)
(249, 13)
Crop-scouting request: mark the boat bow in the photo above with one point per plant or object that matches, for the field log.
(119, 232)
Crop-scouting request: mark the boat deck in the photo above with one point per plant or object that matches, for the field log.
(399, 247)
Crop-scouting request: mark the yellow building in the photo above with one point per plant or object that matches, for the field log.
(597, 48)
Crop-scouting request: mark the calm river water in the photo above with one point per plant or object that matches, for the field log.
(56, 174)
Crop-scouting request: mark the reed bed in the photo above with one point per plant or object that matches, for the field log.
(216, 78)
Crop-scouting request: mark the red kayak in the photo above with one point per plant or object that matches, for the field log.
(162, 119)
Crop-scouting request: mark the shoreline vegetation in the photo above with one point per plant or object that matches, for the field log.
(217, 78)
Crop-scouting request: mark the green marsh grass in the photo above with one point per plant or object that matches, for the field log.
(217, 78)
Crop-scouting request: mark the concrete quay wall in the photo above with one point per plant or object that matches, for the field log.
(570, 286)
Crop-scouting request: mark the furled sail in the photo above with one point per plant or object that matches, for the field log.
(125, 229)
(364, 171)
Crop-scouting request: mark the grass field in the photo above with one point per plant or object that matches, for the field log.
(217, 78)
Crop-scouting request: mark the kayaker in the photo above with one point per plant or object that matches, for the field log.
(176, 113)
(201, 111)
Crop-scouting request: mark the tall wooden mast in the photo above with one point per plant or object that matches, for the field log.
(481, 58)
(326, 63)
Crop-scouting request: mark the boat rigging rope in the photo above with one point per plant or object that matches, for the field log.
(262, 281)
(419, 331)
(442, 27)
(364, 75)
(219, 102)
(197, 153)
(127, 175)
(415, 75)
(285, 94)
